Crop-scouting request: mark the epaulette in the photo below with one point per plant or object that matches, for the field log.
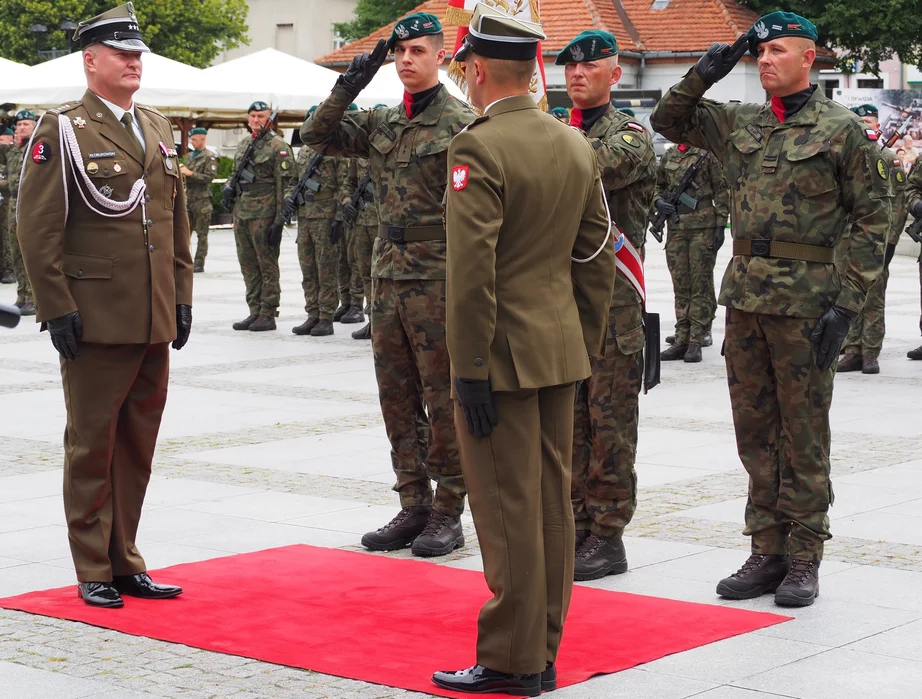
(65, 107)
(150, 109)
(478, 120)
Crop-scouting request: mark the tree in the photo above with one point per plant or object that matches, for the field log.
(869, 33)
(371, 15)
(190, 31)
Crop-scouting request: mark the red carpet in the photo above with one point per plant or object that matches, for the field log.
(383, 620)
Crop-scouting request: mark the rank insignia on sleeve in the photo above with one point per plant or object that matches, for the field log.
(41, 152)
(459, 176)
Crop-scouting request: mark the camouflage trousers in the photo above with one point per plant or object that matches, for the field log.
(412, 368)
(780, 403)
(23, 287)
(318, 258)
(360, 241)
(200, 222)
(5, 262)
(259, 263)
(344, 274)
(604, 484)
(690, 257)
(866, 335)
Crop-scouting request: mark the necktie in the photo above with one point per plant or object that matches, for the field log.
(128, 121)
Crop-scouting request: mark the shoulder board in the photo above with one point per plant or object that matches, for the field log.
(634, 125)
(146, 108)
(478, 120)
(65, 107)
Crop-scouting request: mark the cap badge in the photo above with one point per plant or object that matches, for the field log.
(401, 31)
(577, 52)
(761, 30)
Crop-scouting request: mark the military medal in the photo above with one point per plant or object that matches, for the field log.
(80, 122)
(117, 166)
(106, 191)
(92, 168)
(169, 164)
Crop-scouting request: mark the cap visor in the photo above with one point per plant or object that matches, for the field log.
(129, 45)
(461, 56)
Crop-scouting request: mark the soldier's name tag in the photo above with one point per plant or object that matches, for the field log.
(100, 156)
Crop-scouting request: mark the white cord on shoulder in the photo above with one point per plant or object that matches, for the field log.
(608, 234)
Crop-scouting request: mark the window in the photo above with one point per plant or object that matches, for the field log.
(874, 84)
(338, 41)
(285, 38)
(660, 4)
(829, 86)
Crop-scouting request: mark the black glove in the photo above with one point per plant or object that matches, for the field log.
(336, 232)
(65, 331)
(888, 254)
(665, 207)
(228, 196)
(274, 235)
(829, 335)
(477, 403)
(916, 209)
(363, 69)
(289, 206)
(719, 60)
(719, 234)
(350, 214)
(183, 325)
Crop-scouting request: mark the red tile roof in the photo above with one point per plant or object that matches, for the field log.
(683, 25)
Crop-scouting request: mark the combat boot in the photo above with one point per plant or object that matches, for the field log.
(245, 323)
(801, 585)
(915, 353)
(323, 328)
(442, 535)
(600, 556)
(708, 340)
(401, 531)
(674, 353)
(693, 353)
(670, 339)
(8, 277)
(353, 315)
(198, 268)
(27, 308)
(869, 364)
(339, 313)
(262, 324)
(581, 536)
(850, 362)
(305, 327)
(363, 334)
(759, 574)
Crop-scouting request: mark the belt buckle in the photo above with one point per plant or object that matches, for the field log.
(395, 234)
(760, 247)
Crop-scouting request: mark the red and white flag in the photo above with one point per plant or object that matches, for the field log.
(459, 14)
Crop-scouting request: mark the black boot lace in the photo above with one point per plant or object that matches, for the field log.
(751, 565)
(437, 521)
(801, 572)
(397, 521)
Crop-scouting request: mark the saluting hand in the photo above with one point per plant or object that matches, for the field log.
(719, 60)
(65, 332)
(362, 69)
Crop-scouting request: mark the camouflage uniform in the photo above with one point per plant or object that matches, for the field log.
(804, 183)
(345, 283)
(408, 160)
(866, 335)
(5, 261)
(604, 484)
(318, 256)
(361, 238)
(204, 165)
(690, 253)
(258, 207)
(14, 158)
(913, 196)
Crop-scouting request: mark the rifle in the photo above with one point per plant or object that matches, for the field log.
(232, 188)
(915, 230)
(305, 183)
(678, 196)
(898, 134)
(359, 198)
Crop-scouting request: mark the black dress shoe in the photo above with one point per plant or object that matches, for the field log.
(549, 678)
(141, 585)
(100, 594)
(483, 680)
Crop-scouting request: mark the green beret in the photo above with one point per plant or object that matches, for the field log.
(6, 132)
(560, 112)
(352, 107)
(379, 106)
(413, 26)
(25, 115)
(628, 111)
(777, 24)
(590, 45)
(258, 106)
(198, 131)
(864, 110)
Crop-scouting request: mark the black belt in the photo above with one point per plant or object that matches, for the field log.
(411, 234)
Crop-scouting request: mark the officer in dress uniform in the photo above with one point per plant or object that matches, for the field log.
(105, 240)
(527, 258)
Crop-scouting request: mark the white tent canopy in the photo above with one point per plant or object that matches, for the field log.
(387, 82)
(9, 70)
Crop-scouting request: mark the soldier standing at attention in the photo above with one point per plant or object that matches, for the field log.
(105, 239)
(258, 220)
(361, 229)
(606, 411)
(25, 125)
(407, 150)
(527, 258)
(692, 243)
(319, 232)
(199, 170)
(914, 206)
(6, 267)
(804, 173)
(350, 291)
(866, 335)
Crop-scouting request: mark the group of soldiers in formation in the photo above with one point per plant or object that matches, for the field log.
(509, 354)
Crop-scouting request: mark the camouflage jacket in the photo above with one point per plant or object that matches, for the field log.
(204, 165)
(358, 168)
(914, 189)
(4, 179)
(275, 176)
(409, 165)
(330, 175)
(712, 193)
(812, 179)
(14, 158)
(900, 211)
(627, 163)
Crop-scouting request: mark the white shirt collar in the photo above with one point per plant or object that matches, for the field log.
(490, 106)
(118, 111)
